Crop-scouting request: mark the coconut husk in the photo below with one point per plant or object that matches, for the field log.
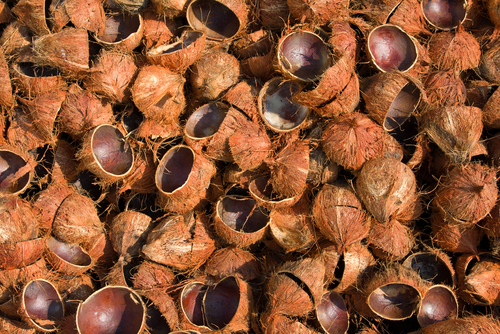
(491, 112)
(344, 102)
(278, 323)
(112, 75)
(5, 13)
(128, 232)
(318, 12)
(466, 325)
(155, 133)
(233, 261)
(158, 30)
(65, 166)
(445, 88)
(15, 40)
(274, 14)
(169, 8)
(22, 253)
(467, 194)
(253, 44)
(358, 264)
(249, 145)
(244, 97)
(408, 14)
(454, 50)
(122, 32)
(165, 304)
(480, 286)
(58, 15)
(65, 258)
(32, 14)
(159, 94)
(17, 170)
(454, 238)
(181, 244)
(432, 265)
(345, 40)
(260, 67)
(48, 201)
(338, 214)
(88, 14)
(150, 276)
(31, 81)
(141, 178)
(262, 191)
(68, 50)
(22, 132)
(6, 97)
(391, 241)
(488, 65)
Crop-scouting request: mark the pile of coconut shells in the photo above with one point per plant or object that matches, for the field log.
(237, 166)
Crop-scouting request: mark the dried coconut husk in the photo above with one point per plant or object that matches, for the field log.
(466, 325)
(344, 38)
(22, 132)
(32, 14)
(102, 253)
(438, 304)
(395, 292)
(445, 88)
(17, 169)
(48, 201)
(338, 214)
(479, 280)
(15, 326)
(256, 43)
(15, 40)
(82, 111)
(467, 194)
(141, 178)
(278, 323)
(32, 79)
(391, 241)
(392, 97)
(233, 261)
(183, 244)
(128, 232)
(43, 109)
(358, 262)
(88, 14)
(233, 174)
(5, 13)
(182, 178)
(259, 66)
(491, 112)
(387, 188)
(213, 74)
(488, 67)
(491, 223)
(76, 221)
(67, 50)
(345, 102)
(65, 164)
(66, 258)
(218, 19)
(352, 139)
(240, 221)
(169, 8)
(150, 275)
(74, 289)
(456, 130)
(292, 228)
(454, 50)
(112, 75)
(158, 29)
(432, 265)
(18, 220)
(409, 14)
(157, 133)
(243, 96)
(274, 14)
(106, 153)
(159, 93)
(122, 32)
(318, 12)
(262, 191)
(6, 97)
(181, 54)
(158, 300)
(19, 254)
(455, 238)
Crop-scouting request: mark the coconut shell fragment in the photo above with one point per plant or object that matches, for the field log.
(42, 305)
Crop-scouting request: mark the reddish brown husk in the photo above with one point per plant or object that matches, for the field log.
(292, 228)
(19, 254)
(339, 216)
(261, 190)
(82, 110)
(445, 88)
(87, 14)
(233, 261)
(387, 188)
(358, 263)
(22, 133)
(48, 201)
(470, 324)
(169, 8)
(158, 30)
(259, 66)
(454, 50)
(408, 14)
(467, 194)
(18, 222)
(391, 241)
(244, 97)
(66, 258)
(31, 82)
(150, 275)
(32, 14)
(438, 304)
(141, 178)
(182, 183)
(212, 74)
(6, 97)
(344, 103)
(278, 323)
(481, 283)
(111, 75)
(490, 58)
(128, 232)
(455, 238)
(274, 13)
(491, 112)
(183, 245)
(179, 55)
(65, 164)
(159, 93)
(68, 50)
(122, 32)
(76, 221)
(432, 265)
(352, 139)
(164, 303)
(456, 130)
(318, 11)
(5, 13)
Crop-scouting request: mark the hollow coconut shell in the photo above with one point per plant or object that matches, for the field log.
(182, 178)
(65, 258)
(159, 299)
(261, 190)
(32, 14)
(22, 132)
(433, 265)
(18, 221)
(32, 82)
(273, 14)
(141, 178)
(454, 238)
(233, 261)
(177, 245)
(17, 168)
(467, 194)
(332, 313)
(479, 282)
(438, 304)
(488, 65)
(122, 32)
(243, 96)
(128, 232)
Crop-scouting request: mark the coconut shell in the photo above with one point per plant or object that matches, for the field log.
(358, 263)
(249, 145)
(470, 324)
(243, 96)
(438, 304)
(345, 40)
(159, 93)
(158, 30)
(76, 221)
(432, 265)
(5, 13)
(233, 261)
(159, 299)
(128, 232)
(261, 190)
(48, 201)
(6, 97)
(20, 254)
(17, 169)
(274, 14)
(391, 241)
(65, 165)
(122, 32)
(82, 111)
(68, 50)
(169, 8)
(338, 214)
(454, 50)
(18, 220)
(16, 40)
(88, 14)
(488, 65)
(387, 188)
(253, 44)
(141, 177)
(155, 132)
(22, 132)
(66, 258)
(112, 75)
(344, 102)
(318, 12)
(191, 301)
(467, 194)
(480, 286)
(491, 113)
(32, 14)
(408, 14)
(352, 139)
(150, 275)
(445, 88)
(454, 238)
(31, 80)
(182, 247)
(212, 74)
(278, 323)
(102, 253)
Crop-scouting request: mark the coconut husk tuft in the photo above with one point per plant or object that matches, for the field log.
(6, 97)
(233, 261)
(319, 12)
(454, 237)
(445, 88)
(344, 102)
(249, 145)
(22, 132)
(86, 14)
(32, 14)
(391, 241)
(158, 29)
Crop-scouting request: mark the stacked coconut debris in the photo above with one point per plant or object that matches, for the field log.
(241, 167)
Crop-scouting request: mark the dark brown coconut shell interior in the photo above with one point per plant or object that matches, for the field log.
(206, 121)
(438, 304)
(391, 48)
(431, 268)
(394, 301)
(113, 309)
(186, 40)
(402, 107)
(174, 169)
(444, 14)
(119, 27)
(278, 109)
(332, 313)
(304, 55)
(43, 304)
(112, 150)
(71, 253)
(34, 70)
(192, 302)
(242, 214)
(10, 164)
(213, 18)
(221, 302)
